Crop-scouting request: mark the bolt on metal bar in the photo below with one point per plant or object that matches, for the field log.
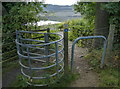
(88, 37)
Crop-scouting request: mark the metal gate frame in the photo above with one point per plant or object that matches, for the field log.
(46, 43)
(89, 37)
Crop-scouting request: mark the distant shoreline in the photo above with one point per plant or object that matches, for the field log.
(60, 13)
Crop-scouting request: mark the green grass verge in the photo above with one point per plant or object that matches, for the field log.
(64, 81)
(109, 75)
(8, 66)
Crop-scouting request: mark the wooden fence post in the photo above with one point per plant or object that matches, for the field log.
(110, 42)
(66, 48)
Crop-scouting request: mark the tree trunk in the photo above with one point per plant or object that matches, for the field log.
(101, 24)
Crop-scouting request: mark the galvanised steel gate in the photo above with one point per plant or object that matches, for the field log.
(40, 56)
(89, 37)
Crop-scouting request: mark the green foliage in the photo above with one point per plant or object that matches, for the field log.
(8, 47)
(109, 76)
(79, 28)
(65, 80)
(87, 9)
(8, 66)
(60, 26)
(94, 58)
(113, 9)
(17, 16)
(20, 82)
(9, 54)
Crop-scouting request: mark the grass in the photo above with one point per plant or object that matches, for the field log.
(109, 76)
(6, 67)
(64, 81)
(19, 82)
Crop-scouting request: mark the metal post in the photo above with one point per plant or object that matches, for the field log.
(46, 47)
(56, 55)
(66, 49)
(88, 37)
(103, 54)
(29, 62)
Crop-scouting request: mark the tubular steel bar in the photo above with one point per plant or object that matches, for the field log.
(46, 47)
(88, 37)
(36, 52)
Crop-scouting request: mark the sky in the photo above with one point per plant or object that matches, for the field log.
(71, 2)
(60, 2)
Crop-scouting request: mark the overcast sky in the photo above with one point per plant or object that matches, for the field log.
(61, 2)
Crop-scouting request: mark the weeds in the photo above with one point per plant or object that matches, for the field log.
(64, 81)
(20, 82)
(6, 67)
(109, 76)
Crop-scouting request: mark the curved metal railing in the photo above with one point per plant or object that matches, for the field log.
(89, 37)
(40, 57)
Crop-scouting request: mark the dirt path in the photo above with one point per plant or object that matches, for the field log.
(88, 78)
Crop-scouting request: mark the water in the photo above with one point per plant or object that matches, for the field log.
(42, 22)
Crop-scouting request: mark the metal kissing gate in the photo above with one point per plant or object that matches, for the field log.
(40, 57)
(88, 37)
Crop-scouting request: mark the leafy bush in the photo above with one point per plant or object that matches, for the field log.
(113, 8)
(80, 28)
(18, 14)
(88, 10)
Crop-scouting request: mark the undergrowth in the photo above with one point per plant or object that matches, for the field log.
(64, 81)
(8, 66)
(109, 75)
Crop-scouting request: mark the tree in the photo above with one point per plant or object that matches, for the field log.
(87, 10)
(113, 8)
(109, 8)
(101, 24)
(93, 12)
